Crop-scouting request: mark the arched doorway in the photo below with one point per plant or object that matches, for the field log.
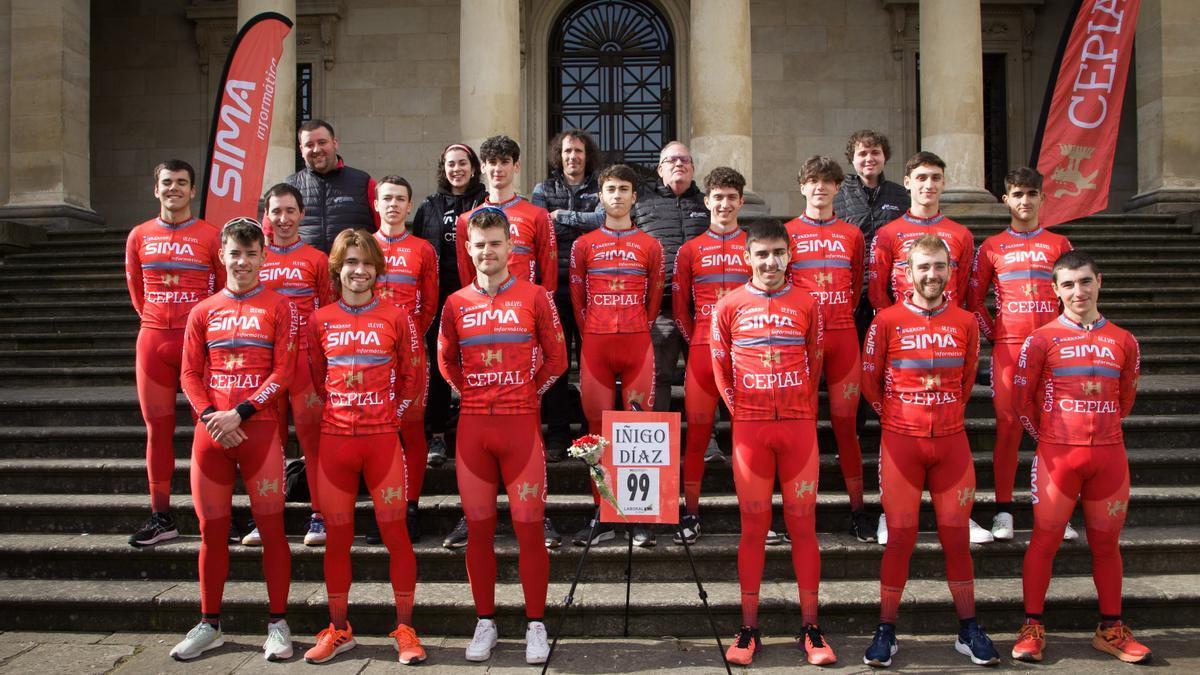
(612, 72)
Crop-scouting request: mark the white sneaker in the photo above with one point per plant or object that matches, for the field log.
(278, 646)
(881, 530)
(199, 640)
(485, 638)
(980, 535)
(1002, 526)
(1070, 534)
(252, 539)
(537, 648)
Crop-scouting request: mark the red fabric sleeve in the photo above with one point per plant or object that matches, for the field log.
(966, 258)
(720, 345)
(983, 273)
(546, 250)
(133, 272)
(880, 271)
(283, 360)
(427, 289)
(195, 362)
(814, 342)
(970, 361)
(409, 363)
(577, 280)
(657, 280)
(857, 264)
(681, 293)
(874, 363)
(316, 358)
(448, 355)
(324, 290)
(466, 268)
(1028, 384)
(1130, 372)
(218, 267)
(550, 339)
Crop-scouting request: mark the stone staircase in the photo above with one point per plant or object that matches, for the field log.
(72, 487)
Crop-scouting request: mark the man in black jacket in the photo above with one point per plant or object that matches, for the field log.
(672, 211)
(336, 197)
(572, 197)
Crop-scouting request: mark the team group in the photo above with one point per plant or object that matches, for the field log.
(326, 310)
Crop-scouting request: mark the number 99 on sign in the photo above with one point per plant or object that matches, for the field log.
(637, 491)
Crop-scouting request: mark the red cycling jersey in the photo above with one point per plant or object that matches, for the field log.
(827, 261)
(501, 353)
(617, 279)
(239, 351)
(300, 272)
(766, 352)
(410, 281)
(707, 268)
(919, 366)
(1020, 264)
(889, 258)
(366, 366)
(534, 256)
(1074, 384)
(171, 267)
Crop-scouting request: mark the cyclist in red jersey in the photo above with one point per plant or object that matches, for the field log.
(171, 263)
(366, 366)
(919, 362)
(534, 251)
(924, 178)
(617, 277)
(827, 261)
(1076, 379)
(239, 351)
(300, 272)
(410, 281)
(766, 347)
(1018, 262)
(500, 347)
(707, 268)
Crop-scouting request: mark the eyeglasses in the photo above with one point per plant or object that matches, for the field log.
(242, 220)
(676, 159)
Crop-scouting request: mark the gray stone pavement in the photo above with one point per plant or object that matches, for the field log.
(1176, 650)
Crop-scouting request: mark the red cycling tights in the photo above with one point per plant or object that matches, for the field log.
(378, 459)
(157, 366)
(699, 405)
(259, 458)
(908, 465)
(1008, 428)
(412, 435)
(762, 450)
(1061, 474)
(606, 358)
(843, 377)
(306, 408)
(504, 448)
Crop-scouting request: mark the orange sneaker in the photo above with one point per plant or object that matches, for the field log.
(812, 641)
(1030, 641)
(745, 646)
(408, 645)
(330, 643)
(1118, 641)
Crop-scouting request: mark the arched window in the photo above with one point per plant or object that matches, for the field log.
(612, 73)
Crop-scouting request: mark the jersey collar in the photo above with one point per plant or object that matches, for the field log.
(617, 233)
(814, 221)
(723, 237)
(361, 309)
(286, 249)
(244, 296)
(922, 221)
(505, 205)
(503, 287)
(1024, 235)
(174, 226)
(392, 240)
(1100, 321)
(921, 311)
(768, 294)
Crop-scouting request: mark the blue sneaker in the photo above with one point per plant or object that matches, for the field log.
(316, 531)
(883, 647)
(975, 643)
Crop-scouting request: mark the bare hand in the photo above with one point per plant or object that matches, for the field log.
(225, 427)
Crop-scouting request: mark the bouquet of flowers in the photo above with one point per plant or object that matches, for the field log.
(590, 448)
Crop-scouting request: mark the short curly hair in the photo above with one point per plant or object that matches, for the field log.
(869, 138)
(725, 177)
(499, 147)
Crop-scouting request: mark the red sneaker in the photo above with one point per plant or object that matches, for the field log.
(812, 641)
(408, 645)
(1030, 641)
(330, 643)
(1118, 641)
(746, 645)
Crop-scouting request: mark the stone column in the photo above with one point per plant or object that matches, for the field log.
(281, 156)
(719, 79)
(1168, 98)
(952, 95)
(49, 154)
(5, 84)
(489, 80)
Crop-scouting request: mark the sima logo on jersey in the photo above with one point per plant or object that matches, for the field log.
(1026, 257)
(722, 260)
(169, 248)
(487, 316)
(396, 261)
(352, 337)
(927, 340)
(234, 323)
(757, 321)
(617, 254)
(819, 246)
(286, 273)
(1084, 351)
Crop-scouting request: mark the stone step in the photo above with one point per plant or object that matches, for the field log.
(847, 607)
(78, 472)
(109, 309)
(1144, 550)
(101, 339)
(53, 279)
(114, 514)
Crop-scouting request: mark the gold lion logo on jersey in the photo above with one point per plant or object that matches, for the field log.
(527, 490)
(170, 279)
(804, 487)
(824, 278)
(493, 356)
(266, 486)
(390, 494)
(931, 381)
(1091, 387)
(768, 357)
(351, 379)
(235, 360)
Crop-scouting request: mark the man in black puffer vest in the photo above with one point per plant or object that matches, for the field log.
(572, 197)
(336, 197)
(673, 212)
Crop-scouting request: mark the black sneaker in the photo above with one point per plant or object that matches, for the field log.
(556, 446)
(458, 536)
(778, 537)
(883, 647)
(604, 532)
(642, 536)
(412, 518)
(437, 452)
(690, 525)
(159, 527)
(862, 526)
(713, 454)
(553, 538)
(976, 644)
